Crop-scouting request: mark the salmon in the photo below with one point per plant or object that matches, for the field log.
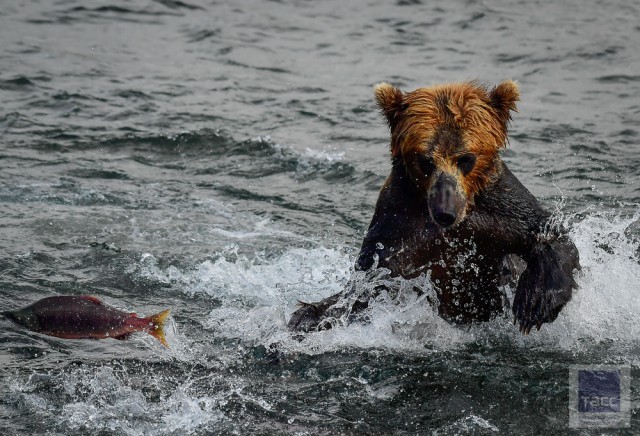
(86, 317)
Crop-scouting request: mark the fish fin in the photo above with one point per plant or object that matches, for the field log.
(122, 337)
(157, 328)
(93, 299)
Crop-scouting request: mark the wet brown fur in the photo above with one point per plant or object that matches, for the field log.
(479, 115)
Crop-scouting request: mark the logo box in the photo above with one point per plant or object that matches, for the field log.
(599, 396)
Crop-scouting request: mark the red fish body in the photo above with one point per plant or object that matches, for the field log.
(84, 317)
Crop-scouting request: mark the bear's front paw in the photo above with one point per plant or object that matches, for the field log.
(546, 284)
(534, 307)
(306, 318)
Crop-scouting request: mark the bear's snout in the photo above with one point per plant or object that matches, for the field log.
(445, 204)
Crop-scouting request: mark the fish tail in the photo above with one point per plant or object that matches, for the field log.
(157, 327)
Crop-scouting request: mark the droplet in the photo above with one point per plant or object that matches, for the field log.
(379, 245)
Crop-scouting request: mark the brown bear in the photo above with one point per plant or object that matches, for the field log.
(452, 209)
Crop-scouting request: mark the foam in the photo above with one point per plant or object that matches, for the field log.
(103, 399)
(297, 274)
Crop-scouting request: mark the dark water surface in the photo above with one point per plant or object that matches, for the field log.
(229, 154)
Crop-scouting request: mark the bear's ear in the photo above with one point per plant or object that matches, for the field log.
(503, 99)
(390, 102)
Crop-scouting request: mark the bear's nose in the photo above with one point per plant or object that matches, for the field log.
(444, 219)
(444, 202)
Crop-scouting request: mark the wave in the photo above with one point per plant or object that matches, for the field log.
(214, 152)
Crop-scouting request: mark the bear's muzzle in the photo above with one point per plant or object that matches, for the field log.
(445, 203)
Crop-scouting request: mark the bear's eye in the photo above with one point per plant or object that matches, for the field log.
(466, 163)
(426, 164)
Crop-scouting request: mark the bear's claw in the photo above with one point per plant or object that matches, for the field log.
(546, 284)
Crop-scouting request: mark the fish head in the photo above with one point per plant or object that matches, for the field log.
(24, 317)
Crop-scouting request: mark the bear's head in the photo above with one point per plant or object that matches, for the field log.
(448, 138)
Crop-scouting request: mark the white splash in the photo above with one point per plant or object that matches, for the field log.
(607, 303)
(104, 400)
(298, 274)
(258, 295)
(322, 155)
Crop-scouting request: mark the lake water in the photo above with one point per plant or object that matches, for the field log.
(223, 158)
